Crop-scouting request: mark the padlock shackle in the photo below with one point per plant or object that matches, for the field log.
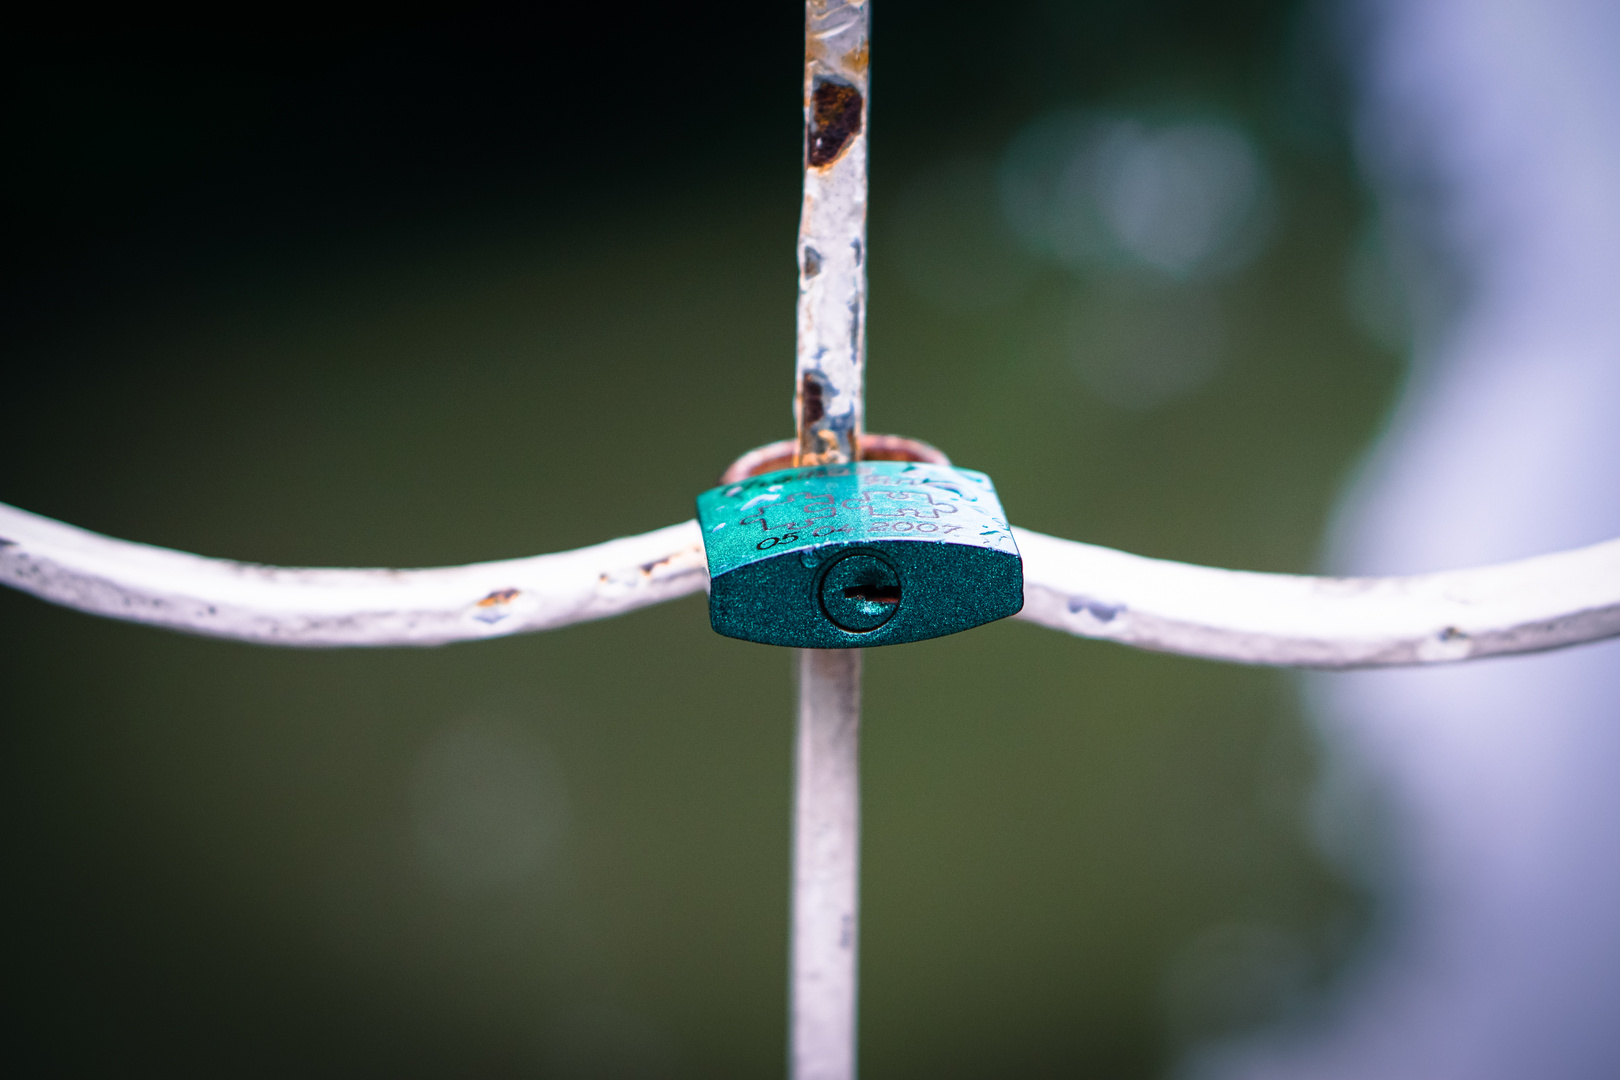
(783, 453)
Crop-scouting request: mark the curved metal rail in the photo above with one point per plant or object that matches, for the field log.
(1289, 620)
(322, 608)
(1286, 620)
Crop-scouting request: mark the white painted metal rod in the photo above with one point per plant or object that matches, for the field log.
(281, 606)
(829, 412)
(826, 865)
(1530, 605)
(828, 397)
(1278, 619)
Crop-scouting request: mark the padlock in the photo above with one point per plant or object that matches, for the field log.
(851, 556)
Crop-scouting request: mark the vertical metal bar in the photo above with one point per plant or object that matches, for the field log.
(826, 865)
(829, 410)
(829, 402)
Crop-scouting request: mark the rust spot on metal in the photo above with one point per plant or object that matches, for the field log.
(812, 407)
(812, 262)
(499, 596)
(835, 119)
(899, 448)
(857, 58)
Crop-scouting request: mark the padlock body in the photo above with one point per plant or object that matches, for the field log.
(852, 556)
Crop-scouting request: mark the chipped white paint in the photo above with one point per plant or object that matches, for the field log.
(1276, 619)
(829, 411)
(291, 606)
(826, 865)
(1294, 621)
(828, 400)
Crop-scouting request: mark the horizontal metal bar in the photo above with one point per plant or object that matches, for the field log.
(323, 608)
(1285, 620)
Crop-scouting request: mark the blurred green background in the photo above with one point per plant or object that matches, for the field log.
(462, 291)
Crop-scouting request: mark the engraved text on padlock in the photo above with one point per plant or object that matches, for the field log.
(842, 556)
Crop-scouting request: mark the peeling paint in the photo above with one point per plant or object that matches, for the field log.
(835, 119)
(812, 391)
(1546, 602)
(1096, 609)
(828, 386)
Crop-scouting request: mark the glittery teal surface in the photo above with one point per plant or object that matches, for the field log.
(772, 541)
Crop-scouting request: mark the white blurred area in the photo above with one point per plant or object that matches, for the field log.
(1491, 130)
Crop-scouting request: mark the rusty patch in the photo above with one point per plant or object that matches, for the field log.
(648, 568)
(812, 407)
(835, 119)
(499, 596)
(857, 58)
(812, 262)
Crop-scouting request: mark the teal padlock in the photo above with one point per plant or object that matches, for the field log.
(852, 556)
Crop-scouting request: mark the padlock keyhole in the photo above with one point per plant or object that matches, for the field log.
(860, 592)
(873, 594)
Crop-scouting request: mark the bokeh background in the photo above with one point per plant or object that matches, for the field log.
(453, 292)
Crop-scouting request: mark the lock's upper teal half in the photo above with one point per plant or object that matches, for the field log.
(848, 556)
(794, 509)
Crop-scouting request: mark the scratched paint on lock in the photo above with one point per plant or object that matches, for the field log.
(772, 541)
(839, 504)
